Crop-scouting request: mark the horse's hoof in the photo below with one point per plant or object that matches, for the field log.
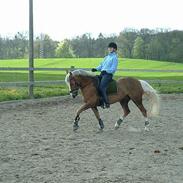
(146, 129)
(116, 127)
(75, 127)
(118, 123)
(101, 124)
(100, 130)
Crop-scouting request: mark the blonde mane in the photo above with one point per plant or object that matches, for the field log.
(78, 72)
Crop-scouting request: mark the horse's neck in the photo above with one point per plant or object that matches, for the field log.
(88, 89)
(85, 81)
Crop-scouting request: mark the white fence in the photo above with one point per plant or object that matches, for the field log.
(56, 82)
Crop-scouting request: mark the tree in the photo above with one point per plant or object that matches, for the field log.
(158, 44)
(138, 48)
(44, 47)
(176, 46)
(83, 46)
(64, 50)
(16, 47)
(155, 49)
(2, 51)
(48, 47)
(20, 43)
(126, 41)
(100, 46)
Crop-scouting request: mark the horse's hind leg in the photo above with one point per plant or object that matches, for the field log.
(126, 110)
(143, 111)
(97, 115)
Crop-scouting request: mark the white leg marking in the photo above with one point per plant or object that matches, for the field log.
(118, 123)
(146, 124)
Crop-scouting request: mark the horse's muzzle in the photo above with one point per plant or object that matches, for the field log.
(74, 93)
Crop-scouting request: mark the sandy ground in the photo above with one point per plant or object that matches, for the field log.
(37, 144)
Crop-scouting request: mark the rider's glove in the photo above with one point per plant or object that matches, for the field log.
(93, 70)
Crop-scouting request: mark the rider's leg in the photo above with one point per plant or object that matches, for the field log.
(106, 78)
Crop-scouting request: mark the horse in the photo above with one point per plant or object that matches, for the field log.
(128, 88)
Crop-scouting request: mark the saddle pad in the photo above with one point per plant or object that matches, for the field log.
(112, 88)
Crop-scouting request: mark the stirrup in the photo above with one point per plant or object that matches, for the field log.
(107, 105)
(101, 103)
(102, 106)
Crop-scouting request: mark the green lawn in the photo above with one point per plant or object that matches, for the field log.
(92, 62)
(89, 63)
(19, 93)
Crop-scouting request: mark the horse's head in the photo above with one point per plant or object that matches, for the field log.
(73, 84)
(78, 79)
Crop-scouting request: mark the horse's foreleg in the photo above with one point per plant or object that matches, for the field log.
(77, 118)
(97, 115)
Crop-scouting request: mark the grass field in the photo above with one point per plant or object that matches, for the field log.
(21, 93)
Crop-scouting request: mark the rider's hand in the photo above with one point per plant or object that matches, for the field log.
(93, 70)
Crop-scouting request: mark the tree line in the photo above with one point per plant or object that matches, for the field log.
(159, 44)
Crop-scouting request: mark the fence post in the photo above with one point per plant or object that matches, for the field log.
(31, 51)
(72, 68)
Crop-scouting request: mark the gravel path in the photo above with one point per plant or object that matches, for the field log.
(37, 144)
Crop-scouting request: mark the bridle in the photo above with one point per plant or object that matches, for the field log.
(74, 90)
(76, 84)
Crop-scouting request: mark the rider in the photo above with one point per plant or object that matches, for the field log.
(107, 67)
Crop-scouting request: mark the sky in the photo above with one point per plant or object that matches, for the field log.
(62, 19)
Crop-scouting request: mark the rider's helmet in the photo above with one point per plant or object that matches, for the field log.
(112, 45)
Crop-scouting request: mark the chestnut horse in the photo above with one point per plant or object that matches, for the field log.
(127, 89)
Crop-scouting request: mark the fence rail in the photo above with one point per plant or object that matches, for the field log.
(88, 69)
(58, 82)
(26, 84)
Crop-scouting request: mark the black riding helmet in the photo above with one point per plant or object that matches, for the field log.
(112, 45)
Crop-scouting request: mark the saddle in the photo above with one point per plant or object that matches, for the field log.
(112, 87)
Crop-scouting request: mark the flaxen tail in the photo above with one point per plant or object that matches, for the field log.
(151, 93)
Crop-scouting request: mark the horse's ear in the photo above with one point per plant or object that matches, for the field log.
(70, 73)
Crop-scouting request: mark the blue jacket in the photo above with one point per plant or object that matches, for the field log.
(109, 64)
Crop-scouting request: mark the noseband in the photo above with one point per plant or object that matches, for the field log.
(74, 90)
(76, 84)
